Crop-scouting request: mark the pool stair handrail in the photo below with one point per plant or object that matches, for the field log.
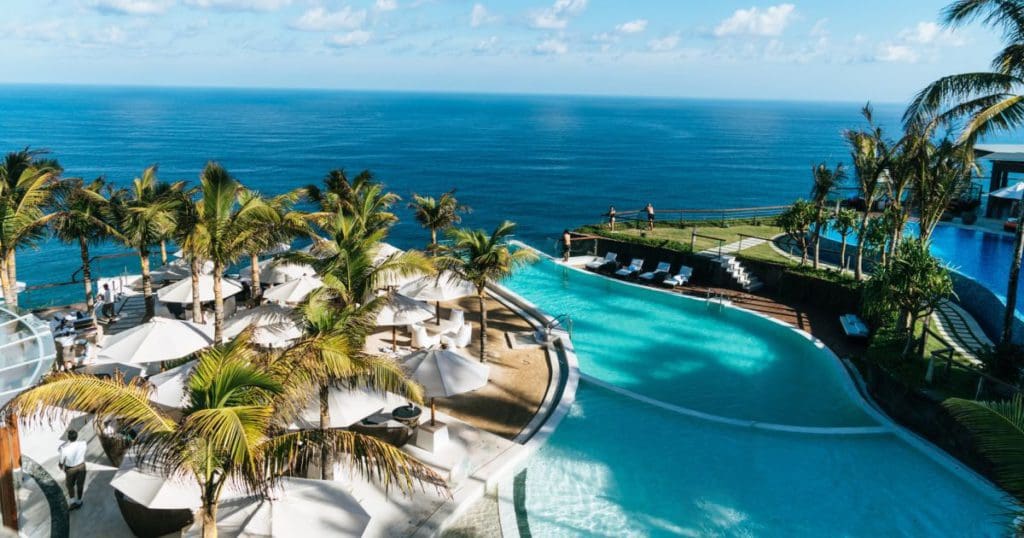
(563, 320)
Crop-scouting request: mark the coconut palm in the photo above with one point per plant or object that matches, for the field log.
(944, 173)
(80, 215)
(844, 222)
(437, 214)
(230, 431)
(191, 239)
(26, 181)
(227, 218)
(998, 429)
(871, 158)
(825, 183)
(481, 259)
(144, 214)
(288, 224)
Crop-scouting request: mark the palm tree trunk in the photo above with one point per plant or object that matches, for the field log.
(12, 266)
(83, 247)
(817, 238)
(218, 303)
(147, 285)
(433, 238)
(12, 279)
(859, 268)
(326, 462)
(163, 252)
(209, 518)
(842, 254)
(197, 304)
(483, 326)
(1010, 315)
(254, 259)
(5, 281)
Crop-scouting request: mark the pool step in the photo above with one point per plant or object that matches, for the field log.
(740, 274)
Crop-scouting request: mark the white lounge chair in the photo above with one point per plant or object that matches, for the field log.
(421, 339)
(455, 320)
(598, 263)
(662, 271)
(633, 268)
(460, 338)
(681, 277)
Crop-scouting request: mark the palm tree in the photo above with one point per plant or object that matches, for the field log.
(998, 429)
(944, 174)
(870, 155)
(227, 217)
(80, 215)
(145, 213)
(825, 183)
(796, 222)
(26, 181)
(230, 431)
(288, 224)
(482, 259)
(843, 223)
(191, 238)
(437, 214)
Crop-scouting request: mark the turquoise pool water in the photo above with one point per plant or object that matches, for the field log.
(621, 467)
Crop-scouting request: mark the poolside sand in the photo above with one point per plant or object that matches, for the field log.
(519, 377)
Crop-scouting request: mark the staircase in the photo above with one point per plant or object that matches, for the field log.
(746, 281)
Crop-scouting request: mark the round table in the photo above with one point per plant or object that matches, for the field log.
(407, 414)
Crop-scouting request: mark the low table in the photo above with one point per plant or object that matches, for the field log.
(407, 414)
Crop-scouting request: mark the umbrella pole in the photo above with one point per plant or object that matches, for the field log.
(432, 411)
(394, 338)
(437, 312)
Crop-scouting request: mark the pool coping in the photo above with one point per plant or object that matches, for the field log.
(981, 484)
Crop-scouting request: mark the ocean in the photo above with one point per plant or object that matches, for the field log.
(545, 162)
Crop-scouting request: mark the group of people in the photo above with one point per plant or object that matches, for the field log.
(611, 214)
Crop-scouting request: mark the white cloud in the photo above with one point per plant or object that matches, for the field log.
(896, 53)
(552, 47)
(632, 27)
(479, 16)
(663, 44)
(386, 5)
(131, 7)
(767, 22)
(930, 33)
(557, 16)
(487, 45)
(354, 38)
(240, 5)
(320, 20)
(819, 29)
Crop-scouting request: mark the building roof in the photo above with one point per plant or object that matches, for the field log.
(1000, 152)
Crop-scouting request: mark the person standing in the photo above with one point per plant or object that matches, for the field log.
(650, 217)
(71, 459)
(566, 245)
(611, 217)
(108, 302)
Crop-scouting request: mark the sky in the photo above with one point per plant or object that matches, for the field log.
(838, 50)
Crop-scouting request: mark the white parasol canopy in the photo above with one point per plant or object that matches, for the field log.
(293, 291)
(179, 269)
(181, 291)
(169, 386)
(347, 406)
(297, 507)
(383, 251)
(153, 490)
(159, 339)
(438, 288)
(443, 372)
(274, 325)
(278, 272)
(401, 310)
(1013, 192)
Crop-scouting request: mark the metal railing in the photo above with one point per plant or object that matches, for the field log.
(639, 217)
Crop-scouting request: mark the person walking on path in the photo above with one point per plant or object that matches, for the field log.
(650, 217)
(566, 245)
(71, 460)
(108, 302)
(611, 217)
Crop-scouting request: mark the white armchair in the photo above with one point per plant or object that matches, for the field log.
(460, 338)
(455, 320)
(421, 339)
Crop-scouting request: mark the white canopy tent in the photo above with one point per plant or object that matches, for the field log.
(443, 287)
(181, 291)
(293, 291)
(1013, 192)
(159, 339)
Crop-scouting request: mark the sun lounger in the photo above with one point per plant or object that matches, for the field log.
(633, 268)
(661, 271)
(598, 263)
(853, 326)
(681, 277)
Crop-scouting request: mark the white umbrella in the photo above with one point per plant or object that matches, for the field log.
(443, 373)
(384, 251)
(347, 406)
(444, 287)
(277, 272)
(297, 507)
(159, 339)
(150, 488)
(293, 291)
(179, 269)
(401, 310)
(279, 248)
(274, 325)
(1013, 192)
(169, 386)
(181, 291)
(128, 371)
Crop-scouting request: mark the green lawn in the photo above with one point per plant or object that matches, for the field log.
(712, 235)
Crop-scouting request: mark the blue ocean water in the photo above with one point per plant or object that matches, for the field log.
(546, 162)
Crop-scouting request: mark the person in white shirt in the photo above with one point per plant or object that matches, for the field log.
(71, 459)
(108, 301)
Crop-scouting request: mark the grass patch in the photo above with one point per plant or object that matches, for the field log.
(683, 234)
(886, 350)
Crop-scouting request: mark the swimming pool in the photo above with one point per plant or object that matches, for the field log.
(983, 256)
(619, 466)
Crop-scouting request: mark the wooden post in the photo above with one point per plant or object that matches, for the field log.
(10, 462)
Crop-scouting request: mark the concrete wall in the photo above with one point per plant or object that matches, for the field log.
(985, 306)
